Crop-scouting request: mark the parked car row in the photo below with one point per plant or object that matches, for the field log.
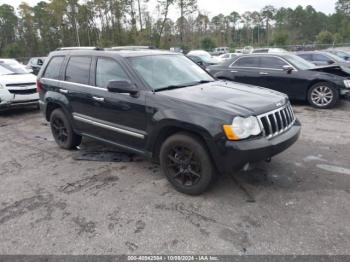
(196, 122)
(322, 87)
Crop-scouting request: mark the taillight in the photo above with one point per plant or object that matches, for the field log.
(39, 86)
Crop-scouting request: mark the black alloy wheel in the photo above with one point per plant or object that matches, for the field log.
(186, 163)
(62, 131)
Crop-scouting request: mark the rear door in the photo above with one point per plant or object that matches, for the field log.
(245, 70)
(292, 83)
(272, 74)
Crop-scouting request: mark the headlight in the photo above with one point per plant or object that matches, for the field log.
(347, 83)
(242, 128)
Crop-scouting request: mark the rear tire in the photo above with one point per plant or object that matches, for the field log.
(186, 164)
(323, 95)
(62, 131)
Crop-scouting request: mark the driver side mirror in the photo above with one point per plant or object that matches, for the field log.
(330, 62)
(122, 87)
(288, 68)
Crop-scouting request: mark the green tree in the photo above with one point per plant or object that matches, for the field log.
(343, 6)
(268, 14)
(324, 37)
(186, 7)
(8, 25)
(280, 38)
(207, 43)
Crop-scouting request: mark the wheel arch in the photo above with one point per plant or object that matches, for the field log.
(169, 130)
(317, 81)
(52, 105)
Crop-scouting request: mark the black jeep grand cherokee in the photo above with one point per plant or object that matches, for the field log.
(164, 106)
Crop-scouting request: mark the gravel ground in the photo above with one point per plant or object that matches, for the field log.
(97, 201)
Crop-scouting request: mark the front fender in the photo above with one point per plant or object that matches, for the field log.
(209, 129)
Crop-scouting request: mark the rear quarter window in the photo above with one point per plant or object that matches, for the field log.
(247, 62)
(53, 68)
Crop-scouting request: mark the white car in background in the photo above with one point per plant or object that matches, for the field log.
(204, 56)
(227, 56)
(17, 85)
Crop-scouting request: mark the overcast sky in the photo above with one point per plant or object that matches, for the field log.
(214, 7)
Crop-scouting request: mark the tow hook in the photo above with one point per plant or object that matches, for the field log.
(268, 160)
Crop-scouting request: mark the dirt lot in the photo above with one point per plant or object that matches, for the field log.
(56, 202)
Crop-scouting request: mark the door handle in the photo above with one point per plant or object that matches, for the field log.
(263, 73)
(98, 99)
(234, 71)
(63, 91)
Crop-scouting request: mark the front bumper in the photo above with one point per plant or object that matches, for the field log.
(345, 93)
(8, 101)
(235, 155)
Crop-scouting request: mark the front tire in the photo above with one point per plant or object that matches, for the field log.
(62, 130)
(186, 164)
(323, 95)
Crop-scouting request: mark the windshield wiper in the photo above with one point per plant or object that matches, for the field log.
(201, 82)
(170, 87)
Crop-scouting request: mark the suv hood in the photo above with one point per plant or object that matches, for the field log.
(18, 79)
(233, 97)
(333, 69)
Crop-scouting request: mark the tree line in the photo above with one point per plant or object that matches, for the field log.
(37, 30)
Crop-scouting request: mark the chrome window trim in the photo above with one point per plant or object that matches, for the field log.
(107, 125)
(263, 68)
(73, 83)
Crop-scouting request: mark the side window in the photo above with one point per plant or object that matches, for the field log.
(247, 62)
(319, 57)
(272, 62)
(78, 70)
(107, 70)
(307, 57)
(53, 68)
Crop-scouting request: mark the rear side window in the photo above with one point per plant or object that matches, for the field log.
(319, 57)
(78, 70)
(53, 68)
(306, 56)
(272, 62)
(247, 62)
(107, 70)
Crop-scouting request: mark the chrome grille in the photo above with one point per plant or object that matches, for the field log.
(278, 121)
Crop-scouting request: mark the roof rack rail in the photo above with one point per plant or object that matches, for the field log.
(79, 48)
(131, 47)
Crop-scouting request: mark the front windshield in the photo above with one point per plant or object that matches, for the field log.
(14, 67)
(162, 71)
(299, 62)
(4, 71)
